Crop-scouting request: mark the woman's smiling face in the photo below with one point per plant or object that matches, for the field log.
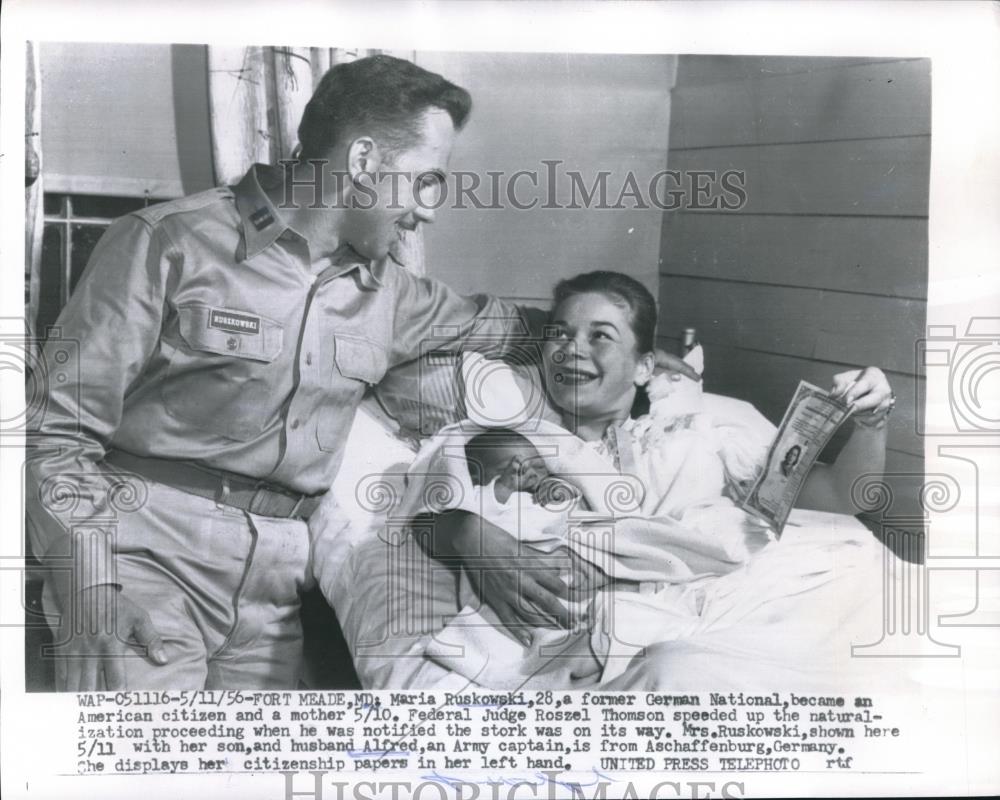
(591, 360)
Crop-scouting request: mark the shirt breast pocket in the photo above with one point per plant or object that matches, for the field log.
(359, 358)
(222, 376)
(358, 363)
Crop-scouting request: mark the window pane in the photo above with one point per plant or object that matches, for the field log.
(84, 240)
(53, 203)
(50, 277)
(95, 205)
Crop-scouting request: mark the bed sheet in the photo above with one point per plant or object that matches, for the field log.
(786, 620)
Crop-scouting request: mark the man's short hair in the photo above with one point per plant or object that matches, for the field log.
(379, 96)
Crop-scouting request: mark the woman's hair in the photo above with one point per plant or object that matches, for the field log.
(380, 96)
(622, 290)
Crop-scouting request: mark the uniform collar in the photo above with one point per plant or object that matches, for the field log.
(345, 259)
(259, 219)
(262, 225)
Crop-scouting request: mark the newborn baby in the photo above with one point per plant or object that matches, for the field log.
(515, 491)
(506, 461)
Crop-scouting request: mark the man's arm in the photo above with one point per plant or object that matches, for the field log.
(102, 339)
(430, 315)
(428, 311)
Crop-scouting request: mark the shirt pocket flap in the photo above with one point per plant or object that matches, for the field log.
(229, 332)
(360, 359)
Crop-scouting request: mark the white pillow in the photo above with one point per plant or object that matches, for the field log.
(369, 481)
(502, 395)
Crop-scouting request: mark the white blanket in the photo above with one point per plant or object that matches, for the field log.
(655, 558)
(784, 620)
(783, 617)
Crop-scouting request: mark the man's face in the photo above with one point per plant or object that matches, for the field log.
(402, 192)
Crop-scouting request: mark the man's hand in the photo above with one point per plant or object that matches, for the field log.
(667, 362)
(99, 628)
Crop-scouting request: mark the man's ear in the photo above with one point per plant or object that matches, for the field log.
(644, 369)
(363, 158)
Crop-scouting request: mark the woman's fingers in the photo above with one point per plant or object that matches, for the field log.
(511, 622)
(585, 577)
(550, 580)
(518, 602)
(866, 391)
(870, 392)
(505, 615)
(521, 591)
(860, 390)
(545, 602)
(870, 404)
(843, 381)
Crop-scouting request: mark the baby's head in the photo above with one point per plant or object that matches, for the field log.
(506, 456)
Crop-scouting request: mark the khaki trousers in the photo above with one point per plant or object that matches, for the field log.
(221, 587)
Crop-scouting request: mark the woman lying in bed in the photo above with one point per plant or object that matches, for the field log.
(760, 616)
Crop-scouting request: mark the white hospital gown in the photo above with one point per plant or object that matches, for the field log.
(787, 617)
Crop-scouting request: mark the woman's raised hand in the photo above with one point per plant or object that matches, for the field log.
(867, 392)
(830, 487)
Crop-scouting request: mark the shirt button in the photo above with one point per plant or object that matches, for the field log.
(295, 424)
(232, 343)
(309, 358)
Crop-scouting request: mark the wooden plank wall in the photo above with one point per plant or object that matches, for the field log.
(825, 267)
(590, 112)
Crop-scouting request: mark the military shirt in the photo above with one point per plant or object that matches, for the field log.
(204, 329)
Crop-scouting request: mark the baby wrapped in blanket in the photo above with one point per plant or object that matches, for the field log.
(513, 489)
(654, 553)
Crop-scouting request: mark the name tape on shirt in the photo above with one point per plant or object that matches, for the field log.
(233, 322)
(261, 218)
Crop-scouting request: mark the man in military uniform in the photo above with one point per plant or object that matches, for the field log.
(224, 343)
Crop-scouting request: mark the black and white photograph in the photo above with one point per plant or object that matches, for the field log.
(397, 407)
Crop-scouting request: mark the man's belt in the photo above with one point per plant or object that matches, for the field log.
(227, 488)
